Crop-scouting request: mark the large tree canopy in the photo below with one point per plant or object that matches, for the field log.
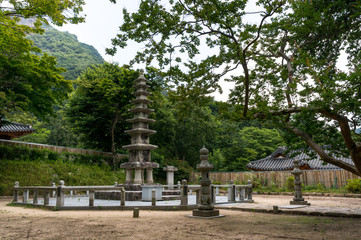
(99, 106)
(29, 82)
(283, 61)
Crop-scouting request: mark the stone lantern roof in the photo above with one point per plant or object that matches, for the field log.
(204, 166)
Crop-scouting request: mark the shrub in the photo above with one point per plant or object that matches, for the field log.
(290, 186)
(35, 154)
(39, 173)
(354, 185)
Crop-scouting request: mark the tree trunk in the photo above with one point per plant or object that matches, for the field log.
(115, 121)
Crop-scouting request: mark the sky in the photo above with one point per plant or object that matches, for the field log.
(103, 19)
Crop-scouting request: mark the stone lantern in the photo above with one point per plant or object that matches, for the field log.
(298, 199)
(205, 208)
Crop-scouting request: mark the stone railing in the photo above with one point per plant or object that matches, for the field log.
(243, 192)
(58, 194)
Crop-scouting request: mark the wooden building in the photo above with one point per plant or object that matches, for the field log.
(10, 130)
(279, 160)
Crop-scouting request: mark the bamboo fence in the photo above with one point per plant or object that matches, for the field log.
(328, 178)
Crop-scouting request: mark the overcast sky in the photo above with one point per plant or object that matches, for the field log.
(103, 19)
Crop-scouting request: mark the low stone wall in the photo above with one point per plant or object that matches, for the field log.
(242, 192)
(60, 149)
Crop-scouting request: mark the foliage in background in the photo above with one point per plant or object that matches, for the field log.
(98, 108)
(283, 64)
(35, 167)
(290, 185)
(241, 145)
(57, 131)
(35, 154)
(70, 54)
(41, 173)
(354, 185)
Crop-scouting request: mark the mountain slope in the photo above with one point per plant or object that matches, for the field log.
(70, 53)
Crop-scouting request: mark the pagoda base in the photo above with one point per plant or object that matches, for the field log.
(206, 213)
(133, 193)
(299, 203)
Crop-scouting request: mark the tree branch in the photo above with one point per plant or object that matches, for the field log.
(323, 155)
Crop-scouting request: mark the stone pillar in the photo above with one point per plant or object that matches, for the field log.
(170, 175)
(150, 175)
(16, 192)
(205, 208)
(60, 195)
(35, 196)
(138, 176)
(91, 198)
(184, 193)
(249, 192)
(153, 197)
(25, 196)
(231, 192)
(178, 185)
(213, 194)
(53, 192)
(46, 197)
(298, 199)
(129, 176)
(122, 197)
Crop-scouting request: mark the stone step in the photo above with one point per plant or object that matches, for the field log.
(170, 192)
(170, 197)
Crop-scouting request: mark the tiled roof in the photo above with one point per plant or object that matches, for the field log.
(279, 161)
(10, 130)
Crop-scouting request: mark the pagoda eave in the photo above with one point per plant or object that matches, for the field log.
(139, 100)
(144, 93)
(140, 119)
(144, 110)
(140, 131)
(140, 146)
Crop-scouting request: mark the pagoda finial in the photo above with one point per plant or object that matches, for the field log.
(141, 72)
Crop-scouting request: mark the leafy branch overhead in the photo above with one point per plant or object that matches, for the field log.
(281, 56)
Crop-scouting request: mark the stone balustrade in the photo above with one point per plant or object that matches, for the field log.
(23, 194)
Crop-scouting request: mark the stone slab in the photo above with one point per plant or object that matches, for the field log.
(147, 192)
(299, 203)
(205, 213)
(292, 206)
(219, 216)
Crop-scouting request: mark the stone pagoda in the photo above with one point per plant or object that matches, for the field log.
(139, 149)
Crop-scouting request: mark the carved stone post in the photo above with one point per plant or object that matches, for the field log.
(53, 192)
(249, 192)
(184, 193)
(205, 208)
(25, 196)
(298, 199)
(122, 196)
(91, 198)
(35, 196)
(16, 192)
(60, 194)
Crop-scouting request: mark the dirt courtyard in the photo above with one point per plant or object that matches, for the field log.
(31, 223)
